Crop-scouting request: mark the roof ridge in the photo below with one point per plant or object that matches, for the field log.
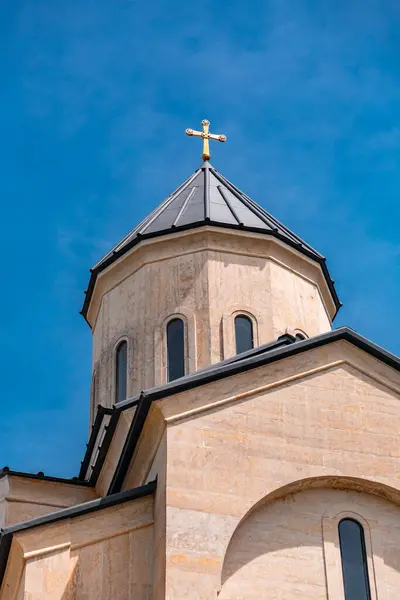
(260, 209)
(151, 217)
(225, 198)
(169, 200)
(240, 196)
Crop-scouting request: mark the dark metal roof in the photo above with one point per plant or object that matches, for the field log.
(102, 411)
(207, 198)
(6, 471)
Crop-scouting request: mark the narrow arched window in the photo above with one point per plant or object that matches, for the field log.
(175, 349)
(94, 391)
(121, 368)
(354, 560)
(300, 336)
(243, 334)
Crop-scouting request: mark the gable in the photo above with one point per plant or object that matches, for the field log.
(327, 413)
(314, 408)
(290, 369)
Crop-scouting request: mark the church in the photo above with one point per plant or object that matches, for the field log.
(240, 448)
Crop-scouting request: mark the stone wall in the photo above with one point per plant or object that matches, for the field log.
(205, 277)
(103, 555)
(329, 413)
(23, 498)
(289, 548)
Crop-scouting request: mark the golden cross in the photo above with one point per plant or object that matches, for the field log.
(206, 135)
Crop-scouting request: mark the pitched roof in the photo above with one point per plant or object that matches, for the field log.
(207, 198)
(285, 347)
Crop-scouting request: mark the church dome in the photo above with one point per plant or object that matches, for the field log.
(207, 198)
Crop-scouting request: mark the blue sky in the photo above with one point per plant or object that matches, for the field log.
(95, 98)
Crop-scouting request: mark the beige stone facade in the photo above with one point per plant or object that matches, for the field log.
(253, 474)
(205, 277)
(24, 498)
(231, 481)
(233, 450)
(105, 555)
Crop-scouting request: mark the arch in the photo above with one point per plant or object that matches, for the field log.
(176, 348)
(299, 335)
(244, 333)
(330, 529)
(121, 371)
(352, 484)
(160, 345)
(228, 338)
(353, 556)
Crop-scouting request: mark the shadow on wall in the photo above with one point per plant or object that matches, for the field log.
(93, 571)
(280, 542)
(71, 590)
(98, 579)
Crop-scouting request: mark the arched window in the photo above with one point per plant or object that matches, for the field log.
(354, 560)
(175, 349)
(243, 334)
(94, 390)
(121, 368)
(300, 336)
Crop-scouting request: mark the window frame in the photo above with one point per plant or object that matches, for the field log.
(247, 317)
(117, 346)
(363, 556)
(332, 555)
(227, 331)
(171, 319)
(299, 334)
(160, 345)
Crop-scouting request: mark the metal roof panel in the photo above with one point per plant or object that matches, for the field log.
(207, 196)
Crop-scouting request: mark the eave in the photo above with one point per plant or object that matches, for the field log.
(303, 249)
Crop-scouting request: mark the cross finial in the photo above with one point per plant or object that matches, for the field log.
(206, 135)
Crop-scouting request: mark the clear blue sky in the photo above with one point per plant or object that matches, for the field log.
(95, 97)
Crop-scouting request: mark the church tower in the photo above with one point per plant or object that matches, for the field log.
(207, 274)
(241, 448)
